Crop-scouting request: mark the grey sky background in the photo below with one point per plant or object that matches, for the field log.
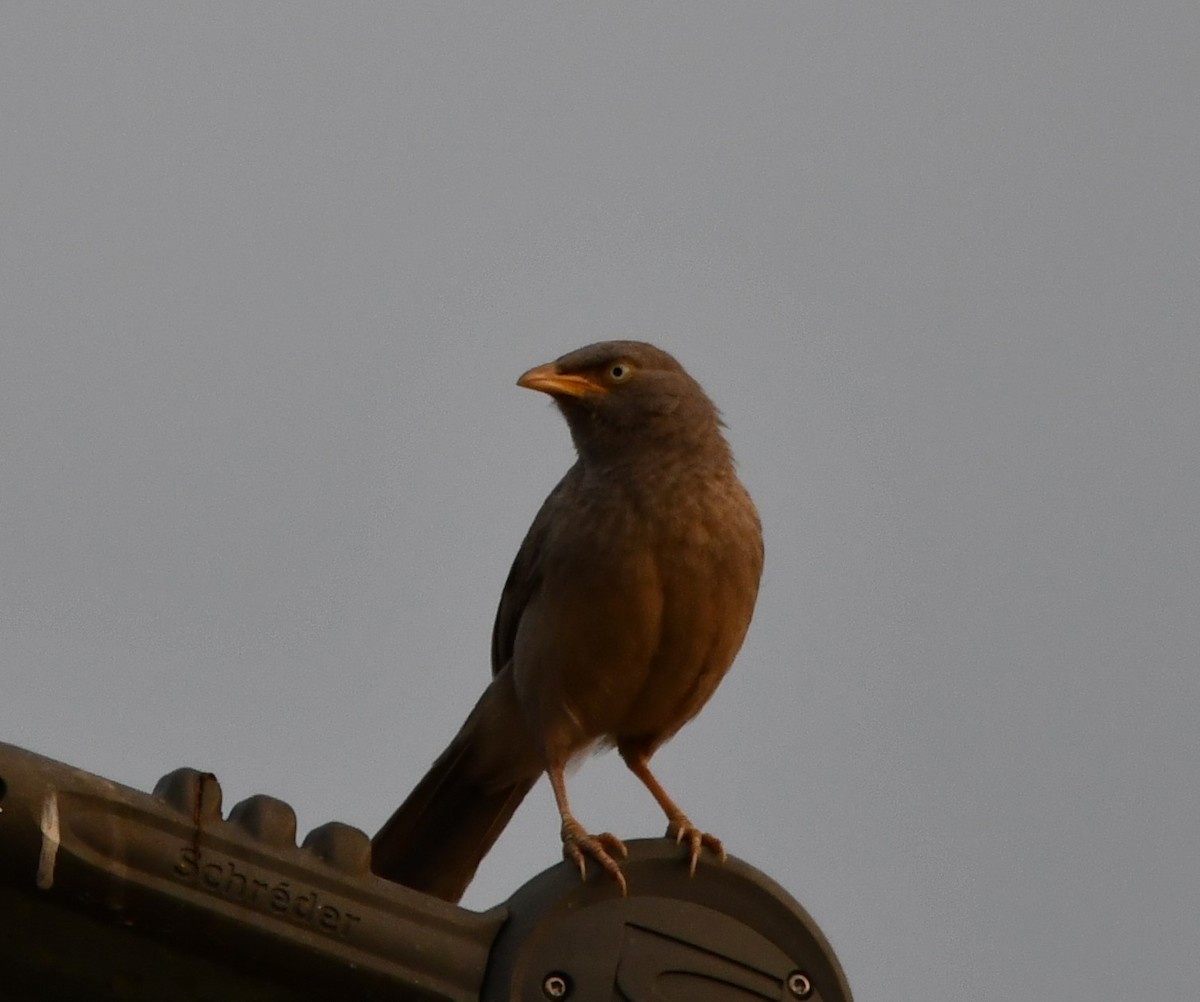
(268, 274)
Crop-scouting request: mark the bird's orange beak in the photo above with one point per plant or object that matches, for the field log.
(548, 379)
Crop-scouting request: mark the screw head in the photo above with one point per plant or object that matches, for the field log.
(556, 986)
(799, 984)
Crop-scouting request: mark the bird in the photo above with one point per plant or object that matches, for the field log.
(624, 608)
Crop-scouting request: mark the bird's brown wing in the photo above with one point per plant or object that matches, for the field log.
(524, 577)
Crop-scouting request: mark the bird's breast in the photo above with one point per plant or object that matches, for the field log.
(643, 603)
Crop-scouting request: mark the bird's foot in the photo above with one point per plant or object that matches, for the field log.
(579, 846)
(683, 831)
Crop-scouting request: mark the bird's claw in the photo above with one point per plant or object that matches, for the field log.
(578, 846)
(681, 830)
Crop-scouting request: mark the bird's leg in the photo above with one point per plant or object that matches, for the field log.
(578, 845)
(679, 827)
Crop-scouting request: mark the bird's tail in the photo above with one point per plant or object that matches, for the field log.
(436, 839)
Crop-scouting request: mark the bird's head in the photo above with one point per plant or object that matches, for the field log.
(625, 398)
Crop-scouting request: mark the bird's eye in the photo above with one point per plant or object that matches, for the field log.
(618, 372)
